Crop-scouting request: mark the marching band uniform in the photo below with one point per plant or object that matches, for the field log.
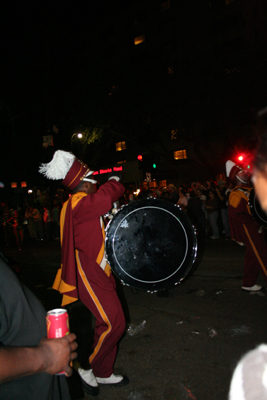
(244, 229)
(84, 272)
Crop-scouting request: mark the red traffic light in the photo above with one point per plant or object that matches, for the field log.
(240, 158)
(140, 157)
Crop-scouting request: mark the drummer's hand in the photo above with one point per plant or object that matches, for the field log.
(115, 175)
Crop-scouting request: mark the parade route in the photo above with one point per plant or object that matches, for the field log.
(180, 347)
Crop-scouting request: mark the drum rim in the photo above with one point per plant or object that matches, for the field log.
(161, 280)
(254, 210)
(190, 255)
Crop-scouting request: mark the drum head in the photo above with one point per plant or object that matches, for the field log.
(255, 208)
(151, 244)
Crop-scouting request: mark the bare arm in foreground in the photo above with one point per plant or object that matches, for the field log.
(51, 356)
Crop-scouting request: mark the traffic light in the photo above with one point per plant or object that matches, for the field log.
(154, 165)
(140, 157)
(244, 160)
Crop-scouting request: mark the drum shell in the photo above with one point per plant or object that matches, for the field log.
(151, 244)
(255, 208)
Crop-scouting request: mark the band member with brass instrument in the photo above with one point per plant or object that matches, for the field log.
(244, 229)
(85, 273)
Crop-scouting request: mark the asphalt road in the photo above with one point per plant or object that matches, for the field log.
(181, 347)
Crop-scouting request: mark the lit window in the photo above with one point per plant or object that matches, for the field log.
(139, 39)
(162, 183)
(171, 69)
(179, 154)
(153, 184)
(120, 146)
(165, 5)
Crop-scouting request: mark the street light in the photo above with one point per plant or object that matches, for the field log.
(77, 135)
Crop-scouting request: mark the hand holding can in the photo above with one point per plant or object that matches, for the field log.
(57, 354)
(57, 322)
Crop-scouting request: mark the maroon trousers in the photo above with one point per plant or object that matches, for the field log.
(98, 292)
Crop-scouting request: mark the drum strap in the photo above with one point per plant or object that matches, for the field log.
(101, 258)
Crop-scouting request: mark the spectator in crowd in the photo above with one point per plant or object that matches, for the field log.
(7, 227)
(157, 192)
(37, 194)
(29, 223)
(37, 222)
(47, 223)
(212, 208)
(203, 199)
(18, 231)
(29, 361)
(145, 193)
(165, 195)
(223, 206)
(172, 193)
(183, 200)
(196, 213)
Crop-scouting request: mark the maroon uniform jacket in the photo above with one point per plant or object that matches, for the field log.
(245, 229)
(82, 238)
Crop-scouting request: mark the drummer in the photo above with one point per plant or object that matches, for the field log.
(84, 272)
(244, 229)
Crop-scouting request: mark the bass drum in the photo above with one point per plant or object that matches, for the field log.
(255, 208)
(151, 244)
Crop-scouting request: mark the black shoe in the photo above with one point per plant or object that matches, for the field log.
(89, 389)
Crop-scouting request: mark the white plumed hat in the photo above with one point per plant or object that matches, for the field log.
(66, 166)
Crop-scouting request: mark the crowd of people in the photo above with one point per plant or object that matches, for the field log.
(34, 222)
(206, 204)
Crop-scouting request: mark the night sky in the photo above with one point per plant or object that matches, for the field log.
(40, 42)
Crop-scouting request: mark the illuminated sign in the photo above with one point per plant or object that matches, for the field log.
(108, 170)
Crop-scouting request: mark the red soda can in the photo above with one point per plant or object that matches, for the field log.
(57, 323)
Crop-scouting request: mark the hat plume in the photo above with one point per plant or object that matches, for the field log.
(59, 166)
(229, 165)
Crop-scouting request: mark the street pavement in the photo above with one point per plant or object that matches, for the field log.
(181, 347)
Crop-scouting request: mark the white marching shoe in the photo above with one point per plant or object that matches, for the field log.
(113, 380)
(254, 288)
